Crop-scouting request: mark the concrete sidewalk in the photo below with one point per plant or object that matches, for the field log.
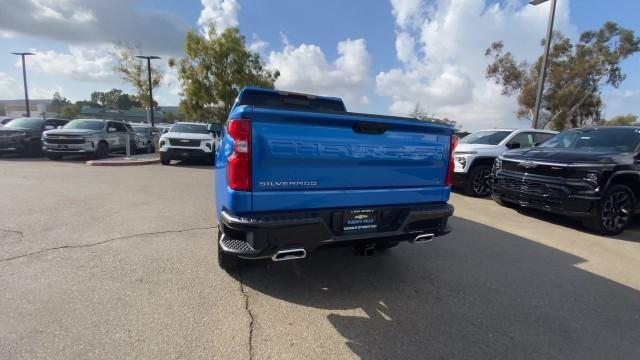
(142, 159)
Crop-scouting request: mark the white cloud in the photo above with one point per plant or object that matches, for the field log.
(441, 48)
(407, 12)
(171, 82)
(91, 22)
(39, 92)
(257, 44)
(223, 14)
(79, 63)
(306, 69)
(9, 88)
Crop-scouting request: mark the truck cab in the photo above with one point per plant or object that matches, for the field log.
(295, 173)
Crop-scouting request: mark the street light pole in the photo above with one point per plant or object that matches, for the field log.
(149, 58)
(24, 79)
(545, 59)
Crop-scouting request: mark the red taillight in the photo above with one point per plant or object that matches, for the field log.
(452, 164)
(239, 165)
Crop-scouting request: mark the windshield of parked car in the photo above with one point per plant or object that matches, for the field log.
(140, 129)
(596, 139)
(85, 124)
(25, 123)
(190, 128)
(486, 137)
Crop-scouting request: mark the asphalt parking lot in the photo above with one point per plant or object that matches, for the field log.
(119, 263)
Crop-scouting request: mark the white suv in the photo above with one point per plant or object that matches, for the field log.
(476, 153)
(186, 141)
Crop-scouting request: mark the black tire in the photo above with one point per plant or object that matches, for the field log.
(479, 181)
(102, 151)
(228, 263)
(386, 245)
(165, 159)
(614, 213)
(54, 157)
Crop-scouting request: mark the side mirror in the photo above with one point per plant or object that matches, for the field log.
(111, 129)
(49, 127)
(60, 127)
(513, 145)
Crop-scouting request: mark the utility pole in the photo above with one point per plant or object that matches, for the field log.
(149, 58)
(24, 79)
(545, 58)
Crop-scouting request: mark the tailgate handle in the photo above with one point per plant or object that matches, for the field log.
(369, 128)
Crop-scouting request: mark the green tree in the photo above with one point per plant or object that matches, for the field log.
(70, 111)
(575, 75)
(58, 102)
(134, 71)
(213, 71)
(419, 113)
(622, 120)
(111, 97)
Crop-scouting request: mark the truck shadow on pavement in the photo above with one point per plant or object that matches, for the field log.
(632, 233)
(478, 293)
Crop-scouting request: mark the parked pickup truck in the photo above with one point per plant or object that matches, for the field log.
(296, 173)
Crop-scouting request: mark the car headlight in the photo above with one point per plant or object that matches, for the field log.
(163, 142)
(462, 161)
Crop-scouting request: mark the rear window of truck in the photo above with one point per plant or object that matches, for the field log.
(290, 101)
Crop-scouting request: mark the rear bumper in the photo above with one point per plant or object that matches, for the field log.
(263, 235)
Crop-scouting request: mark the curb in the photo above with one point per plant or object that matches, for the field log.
(122, 162)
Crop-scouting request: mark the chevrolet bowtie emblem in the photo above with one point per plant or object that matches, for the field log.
(527, 164)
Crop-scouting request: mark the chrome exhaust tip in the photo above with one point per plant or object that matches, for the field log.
(424, 238)
(289, 254)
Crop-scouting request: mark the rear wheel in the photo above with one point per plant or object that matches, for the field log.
(479, 181)
(228, 263)
(614, 212)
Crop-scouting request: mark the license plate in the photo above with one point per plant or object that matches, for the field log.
(360, 220)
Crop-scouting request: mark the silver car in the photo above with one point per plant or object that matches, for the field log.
(92, 137)
(146, 138)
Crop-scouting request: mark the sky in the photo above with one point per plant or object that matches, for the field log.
(381, 56)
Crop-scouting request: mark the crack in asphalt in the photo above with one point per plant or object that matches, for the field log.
(249, 312)
(12, 231)
(103, 242)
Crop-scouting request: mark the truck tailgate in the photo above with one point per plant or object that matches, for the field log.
(302, 160)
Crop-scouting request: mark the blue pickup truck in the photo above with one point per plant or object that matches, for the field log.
(295, 173)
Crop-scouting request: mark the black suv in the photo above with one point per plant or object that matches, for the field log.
(23, 135)
(590, 173)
